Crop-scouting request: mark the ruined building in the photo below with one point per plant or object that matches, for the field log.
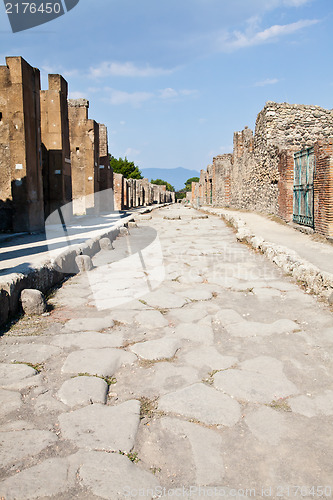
(21, 186)
(84, 143)
(57, 173)
(279, 169)
(53, 158)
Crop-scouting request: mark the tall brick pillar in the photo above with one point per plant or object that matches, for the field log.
(105, 172)
(57, 176)
(21, 188)
(84, 143)
(118, 188)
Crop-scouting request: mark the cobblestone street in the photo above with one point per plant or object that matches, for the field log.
(184, 364)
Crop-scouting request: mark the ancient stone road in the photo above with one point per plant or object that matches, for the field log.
(182, 360)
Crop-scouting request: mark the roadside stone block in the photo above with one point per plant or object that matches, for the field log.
(33, 302)
(105, 244)
(84, 263)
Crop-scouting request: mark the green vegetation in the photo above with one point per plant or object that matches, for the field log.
(125, 167)
(163, 183)
(188, 187)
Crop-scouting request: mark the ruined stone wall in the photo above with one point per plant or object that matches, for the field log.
(105, 172)
(323, 188)
(118, 188)
(253, 173)
(243, 180)
(283, 126)
(21, 190)
(57, 176)
(222, 167)
(84, 142)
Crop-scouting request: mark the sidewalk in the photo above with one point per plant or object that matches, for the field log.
(42, 260)
(279, 239)
(23, 252)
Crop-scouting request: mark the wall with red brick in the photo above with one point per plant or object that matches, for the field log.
(285, 185)
(323, 188)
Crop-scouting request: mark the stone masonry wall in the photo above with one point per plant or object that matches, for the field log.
(57, 172)
(21, 190)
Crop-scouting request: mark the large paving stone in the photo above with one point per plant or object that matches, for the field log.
(151, 319)
(208, 358)
(28, 353)
(10, 401)
(187, 314)
(197, 293)
(46, 404)
(88, 340)
(114, 476)
(98, 427)
(18, 445)
(253, 328)
(309, 406)
(202, 403)
(161, 378)
(259, 380)
(17, 425)
(195, 332)
(157, 349)
(164, 300)
(102, 362)
(81, 391)
(89, 324)
(185, 451)
(26, 383)
(52, 477)
(267, 425)
(12, 373)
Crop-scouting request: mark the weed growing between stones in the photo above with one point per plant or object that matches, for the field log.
(155, 470)
(38, 366)
(148, 363)
(280, 405)
(108, 380)
(148, 410)
(132, 456)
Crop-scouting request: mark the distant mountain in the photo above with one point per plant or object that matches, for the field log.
(175, 176)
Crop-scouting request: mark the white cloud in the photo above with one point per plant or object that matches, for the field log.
(77, 95)
(59, 70)
(136, 99)
(127, 69)
(268, 81)
(170, 93)
(238, 40)
(131, 152)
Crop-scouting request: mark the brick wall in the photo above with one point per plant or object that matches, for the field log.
(285, 185)
(323, 189)
(57, 179)
(21, 189)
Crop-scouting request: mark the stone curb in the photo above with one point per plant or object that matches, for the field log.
(317, 281)
(50, 273)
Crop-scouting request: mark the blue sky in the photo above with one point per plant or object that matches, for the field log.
(174, 79)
